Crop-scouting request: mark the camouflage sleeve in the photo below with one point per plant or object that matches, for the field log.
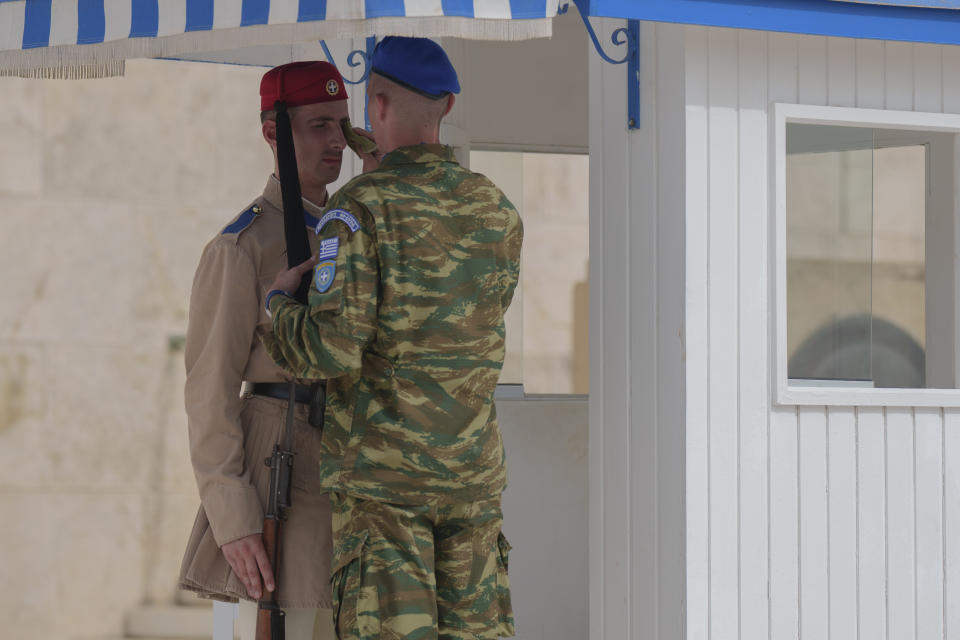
(326, 338)
(513, 240)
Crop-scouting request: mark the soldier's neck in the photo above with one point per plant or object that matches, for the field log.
(409, 138)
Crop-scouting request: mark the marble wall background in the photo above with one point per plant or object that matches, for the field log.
(108, 191)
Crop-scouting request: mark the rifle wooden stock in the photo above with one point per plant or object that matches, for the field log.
(270, 623)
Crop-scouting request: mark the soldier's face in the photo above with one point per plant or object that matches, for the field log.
(319, 141)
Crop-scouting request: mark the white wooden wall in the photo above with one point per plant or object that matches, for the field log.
(714, 514)
(811, 522)
(636, 319)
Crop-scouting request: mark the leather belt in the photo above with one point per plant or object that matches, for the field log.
(281, 391)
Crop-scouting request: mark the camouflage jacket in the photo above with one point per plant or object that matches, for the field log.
(417, 264)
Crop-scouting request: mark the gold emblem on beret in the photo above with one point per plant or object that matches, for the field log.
(332, 87)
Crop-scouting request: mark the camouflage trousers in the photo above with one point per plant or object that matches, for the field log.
(417, 572)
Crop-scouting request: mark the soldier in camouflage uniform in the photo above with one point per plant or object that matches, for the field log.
(417, 264)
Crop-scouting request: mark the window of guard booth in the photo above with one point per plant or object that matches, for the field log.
(866, 264)
(547, 350)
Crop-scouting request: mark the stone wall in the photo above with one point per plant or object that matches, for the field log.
(108, 191)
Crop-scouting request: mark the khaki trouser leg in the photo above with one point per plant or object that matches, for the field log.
(301, 624)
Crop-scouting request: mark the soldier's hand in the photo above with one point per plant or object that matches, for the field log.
(370, 160)
(248, 559)
(289, 279)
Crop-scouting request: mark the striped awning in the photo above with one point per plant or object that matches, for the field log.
(92, 38)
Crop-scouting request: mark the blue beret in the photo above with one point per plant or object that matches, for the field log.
(419, 64)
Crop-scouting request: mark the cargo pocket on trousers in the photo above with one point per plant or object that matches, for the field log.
(356, 608)
(504, 605)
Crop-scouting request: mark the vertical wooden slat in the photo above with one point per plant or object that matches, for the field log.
(870, 74)
(927, 79)
(642, 340)
(610, 427)
(928, 495)
(841, 72)
(670, 305)
(951, 521)
(871, 523)
(784, 526)
(842, 519)
(898, 75)
(901, 525)
(814, 555)
(950, 70)
(723, 308)
(697, 332)
(754, 398)
(812, 70)
(782, 453)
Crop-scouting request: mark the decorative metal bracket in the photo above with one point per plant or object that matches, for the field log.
(356, 58)
(629, 36)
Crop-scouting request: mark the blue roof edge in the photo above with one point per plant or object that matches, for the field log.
(814, 17)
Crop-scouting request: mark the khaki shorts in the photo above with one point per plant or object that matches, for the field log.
(419, 572)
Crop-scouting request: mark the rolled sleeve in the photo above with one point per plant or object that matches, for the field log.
(326, 338)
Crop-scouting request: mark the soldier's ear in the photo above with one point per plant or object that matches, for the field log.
(269, 128)
(450, 100)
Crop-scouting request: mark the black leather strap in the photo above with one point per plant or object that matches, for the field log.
(281, 391)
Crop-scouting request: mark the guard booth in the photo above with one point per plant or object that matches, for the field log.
(773, 446)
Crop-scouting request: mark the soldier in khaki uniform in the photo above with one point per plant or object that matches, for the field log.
(417, 265)
(230, 435)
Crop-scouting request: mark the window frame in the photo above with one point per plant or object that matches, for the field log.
(785, 393)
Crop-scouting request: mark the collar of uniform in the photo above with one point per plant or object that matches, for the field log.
(419, 154)
(274, 197)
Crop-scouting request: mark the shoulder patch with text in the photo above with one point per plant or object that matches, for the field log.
(342, 215)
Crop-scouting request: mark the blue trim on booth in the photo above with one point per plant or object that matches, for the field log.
(816, 17)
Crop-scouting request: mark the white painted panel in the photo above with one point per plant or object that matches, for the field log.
(928, 82)
(722, 312)
(641, 258)
(784, 526)
(784, 543)
(597, 504)
(814, 554)
(871, 522)
(615, 388)
(697, 331)
(928, 492)
(870, 74)
(951, 521)
(901, 531)
(898, 75)
(754, 405)
(670, 347)
(841, 72)
(782, 68)
(842, 521)
(950, 68)
(812, 69)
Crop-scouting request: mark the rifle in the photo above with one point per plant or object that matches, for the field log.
(270, 617)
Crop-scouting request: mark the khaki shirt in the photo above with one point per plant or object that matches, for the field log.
(231, 435)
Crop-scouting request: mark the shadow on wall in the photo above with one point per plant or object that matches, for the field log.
(893, 357)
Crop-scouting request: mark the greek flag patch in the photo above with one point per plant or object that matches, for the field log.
(328, 248)
(342, 215)
(323, 275)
